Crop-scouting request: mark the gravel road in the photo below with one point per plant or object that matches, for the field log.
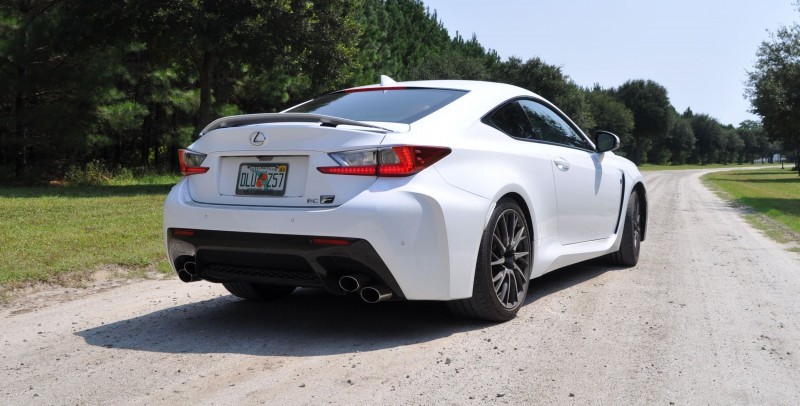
(710, 316)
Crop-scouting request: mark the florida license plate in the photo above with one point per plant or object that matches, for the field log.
(262, 179)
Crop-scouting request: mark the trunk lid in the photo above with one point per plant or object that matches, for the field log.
(275, 164)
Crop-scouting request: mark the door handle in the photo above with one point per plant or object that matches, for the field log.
(561, 164)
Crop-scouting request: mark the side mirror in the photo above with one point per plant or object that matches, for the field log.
(605, 141)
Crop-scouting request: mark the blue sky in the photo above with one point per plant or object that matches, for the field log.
(699, 50)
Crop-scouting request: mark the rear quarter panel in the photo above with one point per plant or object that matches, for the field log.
(490, 164)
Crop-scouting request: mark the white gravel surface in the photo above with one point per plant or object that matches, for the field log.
(710, 316)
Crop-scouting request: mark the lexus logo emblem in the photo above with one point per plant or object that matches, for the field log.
(258, 138)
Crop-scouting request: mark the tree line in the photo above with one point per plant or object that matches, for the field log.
(127, 83)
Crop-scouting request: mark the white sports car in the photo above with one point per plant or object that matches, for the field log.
(456, 191)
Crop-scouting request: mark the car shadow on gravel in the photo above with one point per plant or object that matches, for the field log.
(307, 323)
(564, 278)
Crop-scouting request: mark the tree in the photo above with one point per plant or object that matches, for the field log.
(549, 82)
(374, 56)
(650, 106)
(681, 140)
(710, 138)
(474, 49)
(449, 64)
(414, 34)
(49, 81)
(774, 87)
(222, 39)
(749, 132)
(610, 114)
(461, 60)
(732, 145)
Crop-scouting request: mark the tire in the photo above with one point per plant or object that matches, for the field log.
(628, 254)
(503, 269)
(254, 291)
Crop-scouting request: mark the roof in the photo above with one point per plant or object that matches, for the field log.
(500, 90)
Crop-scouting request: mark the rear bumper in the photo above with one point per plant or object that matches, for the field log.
(400, 233)
(222, 256)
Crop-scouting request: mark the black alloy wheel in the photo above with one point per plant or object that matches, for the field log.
(503, 269)
(628, 253)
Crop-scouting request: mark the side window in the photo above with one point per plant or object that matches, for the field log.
(550, 127)
(512, 120)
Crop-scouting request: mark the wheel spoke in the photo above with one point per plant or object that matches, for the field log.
(513, 292)
(498, 280)
(518, 273)
(518, 237)
(503, 293)
(499, 241)
(521, 254)
(513, 226)
(501, 228)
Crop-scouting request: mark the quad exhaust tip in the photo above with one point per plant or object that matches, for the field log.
(376, 293)
(352, 283)
(359, 282)
(189, 272)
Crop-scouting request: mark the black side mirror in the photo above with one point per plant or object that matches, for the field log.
(605, 141)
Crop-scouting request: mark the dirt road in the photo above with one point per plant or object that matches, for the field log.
(710, 316)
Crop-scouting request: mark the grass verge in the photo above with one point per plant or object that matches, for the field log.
(772, 197)
(63, 234)
(651, 167)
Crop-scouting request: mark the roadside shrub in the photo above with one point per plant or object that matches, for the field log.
(94, 174)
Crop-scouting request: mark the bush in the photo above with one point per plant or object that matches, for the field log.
(97, 173)
(94, 174)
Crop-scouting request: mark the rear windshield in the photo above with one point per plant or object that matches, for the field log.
(393, 105)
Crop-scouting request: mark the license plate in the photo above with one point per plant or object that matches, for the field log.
(262, 179)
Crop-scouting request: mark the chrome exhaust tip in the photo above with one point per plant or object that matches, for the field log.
(376, 293)
(352, 283)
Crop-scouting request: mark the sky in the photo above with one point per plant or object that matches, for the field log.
(699, 50)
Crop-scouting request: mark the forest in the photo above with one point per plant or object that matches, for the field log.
(125, 84)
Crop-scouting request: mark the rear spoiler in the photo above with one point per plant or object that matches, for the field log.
(265, 118)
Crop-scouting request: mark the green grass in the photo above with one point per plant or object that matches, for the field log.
(63, 234)
(772, 194)
(652, 167)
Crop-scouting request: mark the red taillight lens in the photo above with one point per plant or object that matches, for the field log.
(404, 160)
(407, 160)
(369, 170)
(190, 162)
(361, 163)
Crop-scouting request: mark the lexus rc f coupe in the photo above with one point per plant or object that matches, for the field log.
(455, 191)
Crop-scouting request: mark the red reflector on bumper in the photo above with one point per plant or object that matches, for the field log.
(329, 241)
(183, 232)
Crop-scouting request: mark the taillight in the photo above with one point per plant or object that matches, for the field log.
(190, 162)
(403, 160)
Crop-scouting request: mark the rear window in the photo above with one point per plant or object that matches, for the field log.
(404, 105)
